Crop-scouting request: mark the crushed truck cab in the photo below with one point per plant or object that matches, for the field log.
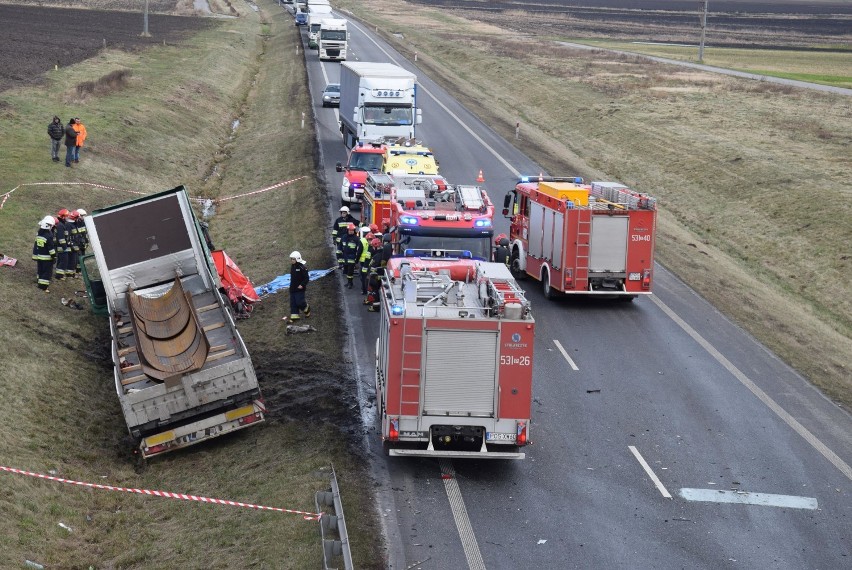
(454, 359)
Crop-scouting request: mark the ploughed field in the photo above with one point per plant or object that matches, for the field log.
(730, 23)
(34, 39)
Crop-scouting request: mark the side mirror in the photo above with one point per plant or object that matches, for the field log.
(339, 167)
(506, 212)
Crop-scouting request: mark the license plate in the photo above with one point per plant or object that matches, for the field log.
(490, 436)
(634, 277)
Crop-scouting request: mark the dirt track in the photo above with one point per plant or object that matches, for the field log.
(35, 39)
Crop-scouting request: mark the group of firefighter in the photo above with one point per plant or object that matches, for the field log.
(364, 248)
(59, 245)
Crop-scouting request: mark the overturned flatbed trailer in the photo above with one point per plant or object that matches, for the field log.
(182, 371)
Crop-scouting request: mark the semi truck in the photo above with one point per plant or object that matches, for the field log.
(331, 39)
(182, 372)
(582, 239)
(454, 359)
(378, 101)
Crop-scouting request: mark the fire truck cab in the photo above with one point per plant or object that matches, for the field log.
(584, 239)
(454, 359)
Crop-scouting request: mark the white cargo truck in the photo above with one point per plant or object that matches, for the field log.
(331, 40)
(378, 101)
(182, 372)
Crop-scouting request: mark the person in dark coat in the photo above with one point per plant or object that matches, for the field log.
(299, 279)
(70, 142)
(502, 253)
(350, 247)
(55, 131)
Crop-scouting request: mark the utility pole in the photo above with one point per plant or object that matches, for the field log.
(145, 33)
(703, 31)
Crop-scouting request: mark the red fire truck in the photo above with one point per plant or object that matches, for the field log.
(454, 359)
(584, 239)
(429, 216)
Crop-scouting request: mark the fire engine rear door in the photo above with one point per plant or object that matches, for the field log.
(609, 244)
(460, 372)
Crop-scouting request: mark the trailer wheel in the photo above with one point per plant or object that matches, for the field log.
(548, 291)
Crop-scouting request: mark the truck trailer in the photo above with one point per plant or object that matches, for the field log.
(182, 372)
(454, 359)
(582, 239)
(378, 101)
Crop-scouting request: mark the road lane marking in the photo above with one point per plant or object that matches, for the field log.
(468, 538)
(649, 471)
(754, 389)
(565, 354)
(461, 123)
(745, 498)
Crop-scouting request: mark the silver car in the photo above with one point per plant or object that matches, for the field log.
(331, 95)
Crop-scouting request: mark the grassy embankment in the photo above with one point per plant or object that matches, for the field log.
(752, 177)
(172, 123)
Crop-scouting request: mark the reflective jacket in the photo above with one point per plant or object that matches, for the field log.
(350, 245)
(63, 237)
(298, 276)
(81, 133)
(43, 249)
(338, 229)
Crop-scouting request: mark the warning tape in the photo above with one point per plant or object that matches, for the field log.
(308, 516)
(105, 187)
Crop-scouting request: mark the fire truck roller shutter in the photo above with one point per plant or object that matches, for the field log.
(609, 244)
(460, 372)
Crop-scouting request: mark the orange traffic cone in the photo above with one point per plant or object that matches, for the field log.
(480, 178)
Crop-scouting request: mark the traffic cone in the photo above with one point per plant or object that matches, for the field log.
(480, 178)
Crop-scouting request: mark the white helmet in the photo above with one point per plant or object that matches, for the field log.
(46, 223)
(364, 230)
(81, 212)
(344, 209)
(297, 256)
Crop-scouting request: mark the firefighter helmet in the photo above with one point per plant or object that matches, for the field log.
(74, 216)
(63, 213)
(351, 227)
(370, 236)
(374, 228)
(47, 222)
(499, 239)
(376, 242)
(81, 212)
(344, 209)
(364, 230)
(297, 257)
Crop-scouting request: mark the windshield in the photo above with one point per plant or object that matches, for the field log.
(479, 247)
(387, 115)
(366, 161)
(332, 88)
(338, 35)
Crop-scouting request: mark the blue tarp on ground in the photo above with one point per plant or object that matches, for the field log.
(283, 281)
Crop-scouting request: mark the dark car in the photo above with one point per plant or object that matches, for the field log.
(331, 95)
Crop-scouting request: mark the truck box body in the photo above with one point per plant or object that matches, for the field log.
(182, 372)
(377, 102)
(332, 38)
(454, 359)
(584, 239)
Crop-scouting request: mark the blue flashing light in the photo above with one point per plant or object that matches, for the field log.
(397, 309)
(578, 180)
(482, 223)
(409, 220)
(408, 253)
(355, 185)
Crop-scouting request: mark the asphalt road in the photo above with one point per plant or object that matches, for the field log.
(663, 436)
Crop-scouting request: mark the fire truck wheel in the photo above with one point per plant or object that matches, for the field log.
(516, 266)
(548, 291)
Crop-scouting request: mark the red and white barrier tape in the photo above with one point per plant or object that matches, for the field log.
(105, 187)
(308, 516)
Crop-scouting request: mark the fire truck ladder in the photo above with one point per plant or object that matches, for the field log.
(409, 384)
(583, 249)
(507, 292)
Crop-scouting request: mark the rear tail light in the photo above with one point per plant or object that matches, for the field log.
(521, 438)
(393, 429)
(646, 279)
(155, 449)
(569, 278)
(246, 420)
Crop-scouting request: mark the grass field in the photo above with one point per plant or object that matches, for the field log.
(752, 177)
(220, 114)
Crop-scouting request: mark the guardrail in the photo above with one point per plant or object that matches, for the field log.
(335, 540)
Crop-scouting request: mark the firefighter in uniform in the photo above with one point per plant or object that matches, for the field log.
(364, 259)
(44, 252)
(377, 268)
(350, 246)
(63, 246)
(338, 230)
(82, 237)
(299, 279)
(502, 253)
